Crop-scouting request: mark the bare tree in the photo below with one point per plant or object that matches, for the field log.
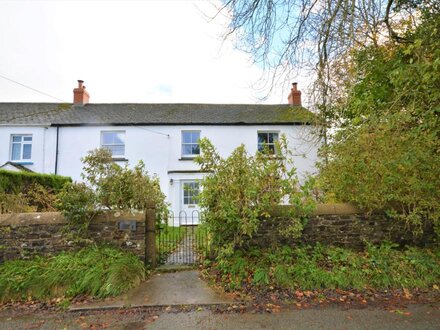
(319, 35)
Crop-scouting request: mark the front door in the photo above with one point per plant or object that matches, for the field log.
(189, 214)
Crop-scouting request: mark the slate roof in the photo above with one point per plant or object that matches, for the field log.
(19, 167)
(151, 114)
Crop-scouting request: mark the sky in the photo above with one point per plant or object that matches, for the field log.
(126, 51)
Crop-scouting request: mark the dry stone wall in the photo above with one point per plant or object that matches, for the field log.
(27, 234)
(345, 226)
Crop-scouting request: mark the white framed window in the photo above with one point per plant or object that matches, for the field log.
(267, 142)
(21, 147)
(191, 191)
(190, 143)
(114, 141)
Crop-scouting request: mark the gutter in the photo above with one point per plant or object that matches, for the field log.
(26, 125)
(188, 124)
(56, 150)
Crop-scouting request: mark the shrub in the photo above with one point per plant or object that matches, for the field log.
(94, 271)
(241, 190)
(109, 186)
(16, 182)
(14, 203)
(77, 203)
(121, 188)
(35, 198)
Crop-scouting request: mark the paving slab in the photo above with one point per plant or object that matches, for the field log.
(164, 289)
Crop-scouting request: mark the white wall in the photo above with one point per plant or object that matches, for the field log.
(158, 146)
(43, 146)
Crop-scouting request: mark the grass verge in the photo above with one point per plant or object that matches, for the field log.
(93, 271)
(320, 267)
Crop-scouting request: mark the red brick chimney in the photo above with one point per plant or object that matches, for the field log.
(80, 95)
(295, 95)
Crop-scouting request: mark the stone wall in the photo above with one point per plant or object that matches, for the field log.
(345, 226)
(27, 234)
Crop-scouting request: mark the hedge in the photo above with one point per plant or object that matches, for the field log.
(15, 182)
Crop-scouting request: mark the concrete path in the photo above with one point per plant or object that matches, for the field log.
(167, 289)
(185, 253)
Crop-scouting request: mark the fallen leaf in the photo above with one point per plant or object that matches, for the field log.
(407, 294)
(299, 294)
(308, 293)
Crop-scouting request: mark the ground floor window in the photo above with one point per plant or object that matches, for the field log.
(190, 192)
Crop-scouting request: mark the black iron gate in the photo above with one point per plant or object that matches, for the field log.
(181, 239)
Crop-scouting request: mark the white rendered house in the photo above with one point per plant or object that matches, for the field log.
(53, 137)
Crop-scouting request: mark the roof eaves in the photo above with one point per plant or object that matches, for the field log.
(295, 123)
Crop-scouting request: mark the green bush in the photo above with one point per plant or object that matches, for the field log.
(241, 190)
(121, 188)
(17, 182)
(94, 271)
(34, 198)
(109, 186)
(320, 267)
(77, 203)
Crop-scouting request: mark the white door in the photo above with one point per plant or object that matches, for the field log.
(190, 211)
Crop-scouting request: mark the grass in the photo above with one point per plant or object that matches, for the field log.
(202, 240)
(93, 271)
(167, 240)
(320, 267)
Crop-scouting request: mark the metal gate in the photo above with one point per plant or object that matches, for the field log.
(181, 239)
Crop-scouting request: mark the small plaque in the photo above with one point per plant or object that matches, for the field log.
(127, 225)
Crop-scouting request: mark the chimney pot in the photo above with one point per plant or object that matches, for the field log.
(294, 97)
(80, 95)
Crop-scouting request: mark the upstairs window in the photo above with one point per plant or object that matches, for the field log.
(114, 141)
(267, 142)
(21, 147)
(190, 143)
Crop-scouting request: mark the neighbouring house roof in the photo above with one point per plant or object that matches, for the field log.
(10, 166)
(59, 114)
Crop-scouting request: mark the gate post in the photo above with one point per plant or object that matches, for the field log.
(150, 236)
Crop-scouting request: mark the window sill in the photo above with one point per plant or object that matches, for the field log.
(272, 156)
(120, 159)
(21, 162)
(188, 158)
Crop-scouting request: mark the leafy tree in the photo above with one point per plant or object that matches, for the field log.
(387, 153)
(320, 36)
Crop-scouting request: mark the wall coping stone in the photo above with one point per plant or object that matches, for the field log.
(26, 219)
(323, 209)
(34, 218)
(38, 218)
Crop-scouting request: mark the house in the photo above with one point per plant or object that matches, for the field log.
(52, 137)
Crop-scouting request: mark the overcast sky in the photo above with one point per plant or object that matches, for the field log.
(140, 51)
